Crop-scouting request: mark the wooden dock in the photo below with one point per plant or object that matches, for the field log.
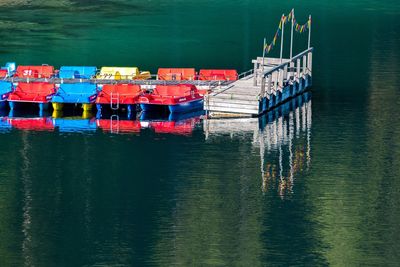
(270, 83)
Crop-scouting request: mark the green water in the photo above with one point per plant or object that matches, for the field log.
(317, 184)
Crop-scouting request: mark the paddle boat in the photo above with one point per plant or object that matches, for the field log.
(118, 94)
(35, 92)
(5, 90)
(75, 93)
(177, 98)
(218, 75)
(44, 71)
(178, 74)
(77, 72)
(8, 70)
(122, 73)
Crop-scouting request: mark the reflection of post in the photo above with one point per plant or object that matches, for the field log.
(290, 145)
(280, 134)
(297, 119)
(262, 152)
(27, 200)
(303, 118)
(309, 113)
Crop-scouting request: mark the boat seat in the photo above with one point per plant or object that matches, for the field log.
(34, 71)
(178, 74)
(32, 92)
(218, 75)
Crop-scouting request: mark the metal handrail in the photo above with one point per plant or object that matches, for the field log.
(281, 66)
(246, 73)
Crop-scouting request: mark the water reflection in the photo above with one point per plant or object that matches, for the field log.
(84, 123)
(72, 122)
(180, 124)
(282, 136)
(31, 123)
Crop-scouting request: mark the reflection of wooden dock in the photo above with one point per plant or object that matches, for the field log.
(282, 136)
(231, 126)
(297, 110)
(271, 83)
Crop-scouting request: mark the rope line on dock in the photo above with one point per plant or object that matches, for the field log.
(300, 28)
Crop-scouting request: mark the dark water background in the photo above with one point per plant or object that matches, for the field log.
(313, 185)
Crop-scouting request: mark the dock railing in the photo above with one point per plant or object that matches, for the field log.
(275, 78)
(245, 74)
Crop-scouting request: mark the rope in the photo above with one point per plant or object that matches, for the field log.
(300, 28)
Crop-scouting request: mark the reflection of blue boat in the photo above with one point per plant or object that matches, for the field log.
(75, 124)
(184, 116)
(77, 72)
(153, 115)
(4, 125)
(162, 116)
(5, 90)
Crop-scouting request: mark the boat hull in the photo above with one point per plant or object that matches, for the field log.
(178, 108)
(186, 107)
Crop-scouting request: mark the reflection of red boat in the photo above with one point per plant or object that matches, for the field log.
(34, 71)
(218, 75)
(184, 127)
(33, 124)
(119, 126)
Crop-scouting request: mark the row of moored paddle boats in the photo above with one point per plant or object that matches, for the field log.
(87, 92)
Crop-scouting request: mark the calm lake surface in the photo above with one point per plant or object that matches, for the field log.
(313, 183)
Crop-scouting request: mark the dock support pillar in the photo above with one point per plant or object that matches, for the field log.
(57, 106)
(43, 106)
(129, 111)
(11, 105)
(87, 106)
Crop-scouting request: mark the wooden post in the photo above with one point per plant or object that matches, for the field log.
(291, 37)
(263, 56)
(298, 67)
(283, 31)
(285, 72)
(309, 32)
(255, 73)
(291, 71)
(309, 63)
(304, 65)
(262, 92)
(269, 84)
